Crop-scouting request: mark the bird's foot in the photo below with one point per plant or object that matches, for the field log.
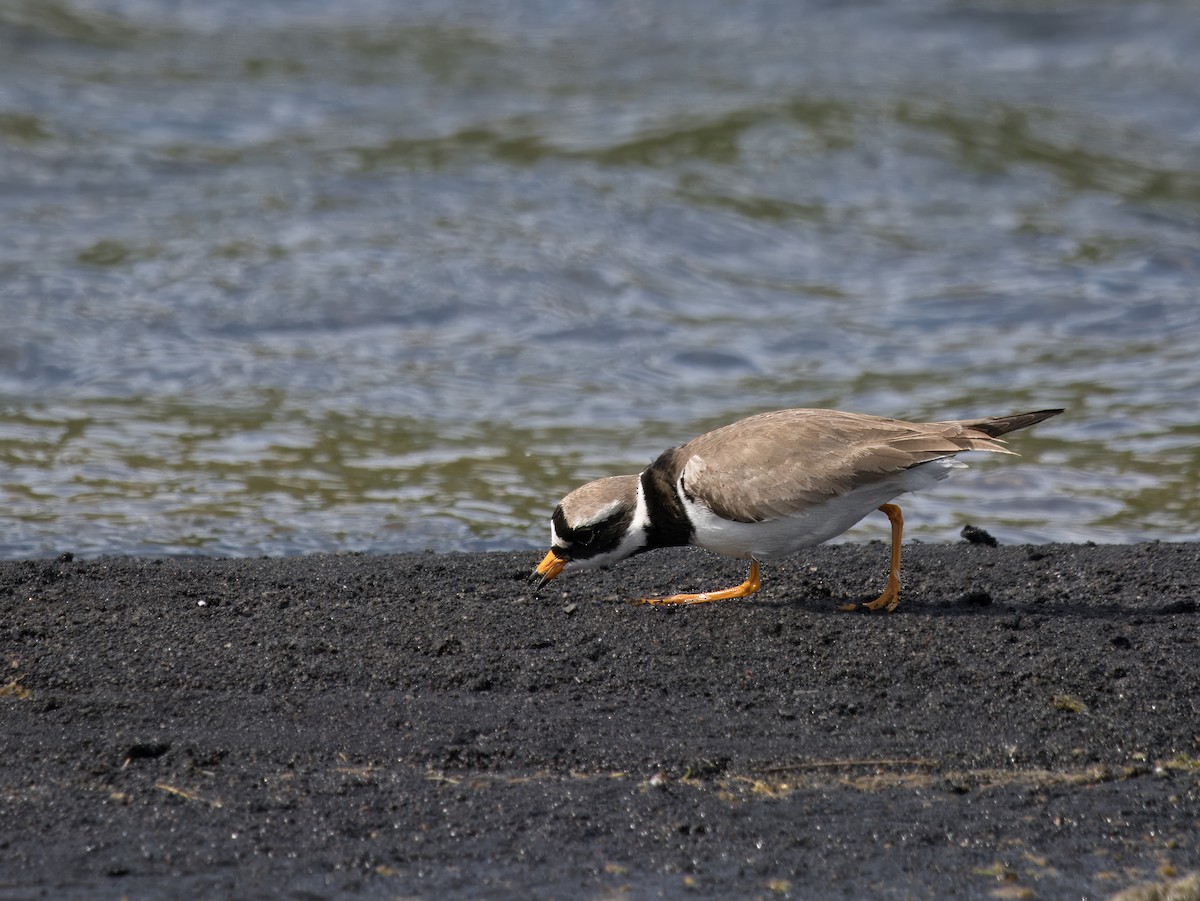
(684, 599)
(889, 600)
(751, 585)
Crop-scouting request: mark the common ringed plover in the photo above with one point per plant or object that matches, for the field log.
(765, 487)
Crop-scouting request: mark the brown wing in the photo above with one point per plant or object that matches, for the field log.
(774, 463)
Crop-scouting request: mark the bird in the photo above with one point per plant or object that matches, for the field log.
(765, 487)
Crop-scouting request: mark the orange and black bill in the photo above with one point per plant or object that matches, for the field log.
(551, 566)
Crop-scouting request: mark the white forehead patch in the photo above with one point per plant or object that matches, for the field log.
(600, 515)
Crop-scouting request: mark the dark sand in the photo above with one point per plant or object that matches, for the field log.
(1027, 725)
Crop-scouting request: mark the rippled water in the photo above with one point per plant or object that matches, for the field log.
(285, 276)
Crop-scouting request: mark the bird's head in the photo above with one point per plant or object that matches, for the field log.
(600, 523)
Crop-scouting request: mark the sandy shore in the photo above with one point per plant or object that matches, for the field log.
(1027, 725)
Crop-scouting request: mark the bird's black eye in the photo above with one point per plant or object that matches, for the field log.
(584, 536)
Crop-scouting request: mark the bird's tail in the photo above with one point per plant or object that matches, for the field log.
(995, 426)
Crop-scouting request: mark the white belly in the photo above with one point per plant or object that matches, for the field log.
(811, 526)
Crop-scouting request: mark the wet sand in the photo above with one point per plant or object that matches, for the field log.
(1026, 725)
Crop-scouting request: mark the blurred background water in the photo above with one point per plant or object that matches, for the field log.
(282, 276)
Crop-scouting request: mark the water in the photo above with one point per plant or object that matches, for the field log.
(280, 277)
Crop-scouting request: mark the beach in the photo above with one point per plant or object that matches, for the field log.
(1026, 725)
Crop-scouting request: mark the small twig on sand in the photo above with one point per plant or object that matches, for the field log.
(850, 762)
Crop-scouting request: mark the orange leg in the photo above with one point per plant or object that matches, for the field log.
(751, 585)
(890, 598)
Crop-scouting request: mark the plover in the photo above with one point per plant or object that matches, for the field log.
(766, 486)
